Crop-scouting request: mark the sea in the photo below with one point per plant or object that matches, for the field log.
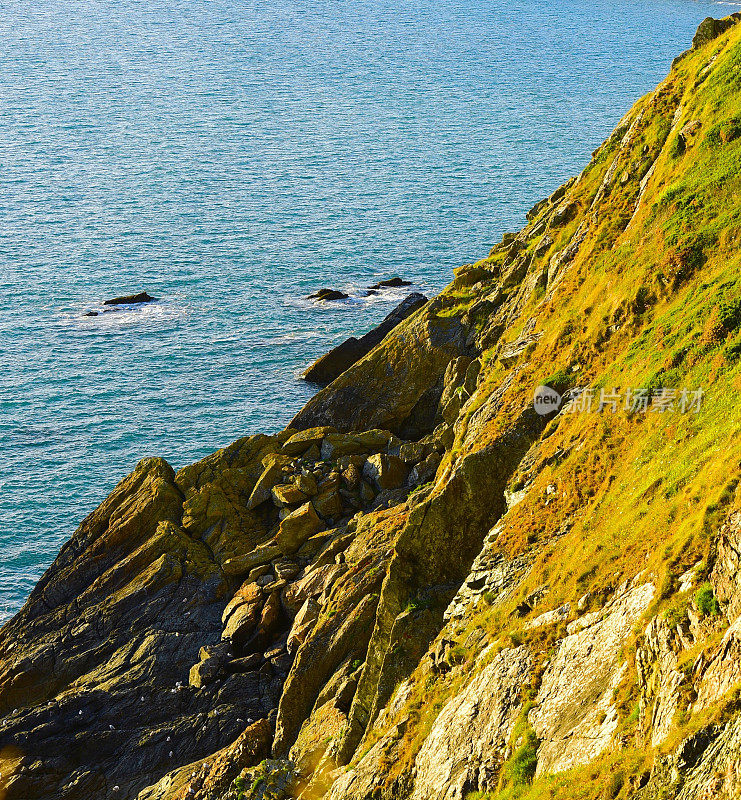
(232, 156)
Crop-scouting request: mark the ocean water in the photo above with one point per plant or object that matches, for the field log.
(231, 156)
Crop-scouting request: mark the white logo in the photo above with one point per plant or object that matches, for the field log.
(546, 400)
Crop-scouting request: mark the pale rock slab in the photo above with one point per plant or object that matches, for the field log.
(574, 716)
(465, 747)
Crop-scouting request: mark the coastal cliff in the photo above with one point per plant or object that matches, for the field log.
(424, 587)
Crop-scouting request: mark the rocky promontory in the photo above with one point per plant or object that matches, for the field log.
(423, 588)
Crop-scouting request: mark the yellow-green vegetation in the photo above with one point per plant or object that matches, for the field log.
(649, 302)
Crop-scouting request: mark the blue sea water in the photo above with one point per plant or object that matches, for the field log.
(231, 156)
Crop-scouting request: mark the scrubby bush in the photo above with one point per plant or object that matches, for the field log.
(705, 600)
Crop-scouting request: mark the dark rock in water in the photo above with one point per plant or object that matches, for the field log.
(336, 361)
(130, 299)
(328, 294)
(91, 314)
(390, 283)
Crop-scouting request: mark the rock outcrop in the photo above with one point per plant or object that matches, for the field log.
(331, 365)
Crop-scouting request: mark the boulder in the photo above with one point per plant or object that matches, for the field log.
(242, 565)
(351, 477)
(332, 364)
(300, 442)
(306, 482)
(413, 452)
(337, 445)
(242, 623)
(273, 471)
(212, 658)
(288, 494)
(426, 469)
(130, 299)
(296, 528)
(304, 621)
(249, 593)
(385, 472)
(269, 618)
(246, 664)
(328, 504)
(563, 214)
(367, 494)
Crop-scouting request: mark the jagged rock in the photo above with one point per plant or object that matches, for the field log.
(367, 495)
(385, 472)
(510, 352)
(296, 528)
(391, 283)
(287, 570)
(328, 503)
(241, 565)
(272, 473)
(306, 482)
(491, 574)
(414, 452)
(465, 748)
(336, 361)
(314, 583)
(212, 778)
(543, 246)
(269, 617)
(127, 605)
(726, 574)
(554, 617)
(563, 214)
(243, 618)
(723, 672)
(337, 445)
(288, 494)
(659, 679)
(271, 779)
(212, 659)
(705, 766)
(351, 477)
(304, 621)
(425, 470)
(244, 664)
(395, 387)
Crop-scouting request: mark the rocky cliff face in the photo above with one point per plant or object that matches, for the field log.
(424, 588)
